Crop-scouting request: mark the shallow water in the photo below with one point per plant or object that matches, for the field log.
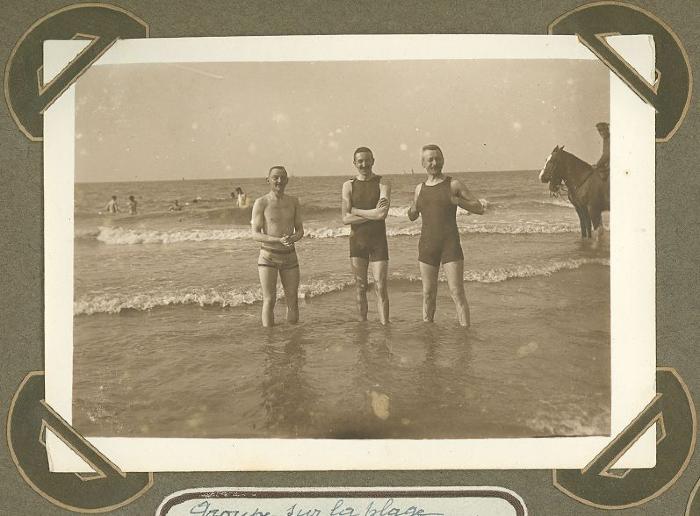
(210, 372)
(168, 341)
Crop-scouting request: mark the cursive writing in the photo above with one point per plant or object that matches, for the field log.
(205, 509)
(342, 507)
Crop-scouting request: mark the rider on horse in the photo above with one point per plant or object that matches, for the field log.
(603, 165)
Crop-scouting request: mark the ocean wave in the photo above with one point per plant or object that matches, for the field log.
(556, 201)
(569, 421)
(202, 211)
(111, 304)
(402, 211)
(129, 236)
(126, 236)
(500, 274)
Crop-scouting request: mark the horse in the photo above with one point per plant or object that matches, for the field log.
(587, 190)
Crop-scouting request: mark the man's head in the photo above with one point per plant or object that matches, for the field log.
(603, 129)
(277, 178)
(114, 197)
(432, 159)
(363, 159)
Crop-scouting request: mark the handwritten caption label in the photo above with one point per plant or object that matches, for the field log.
(342, 507)
(451, 502)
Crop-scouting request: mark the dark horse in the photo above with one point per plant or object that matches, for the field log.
(587, 190)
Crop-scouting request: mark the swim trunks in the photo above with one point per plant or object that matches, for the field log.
(368, 240)
(439, 236)
(280, 259)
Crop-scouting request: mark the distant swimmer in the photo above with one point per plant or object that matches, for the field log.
(112, 206)
(365, 205)
(132, 205)
(241, 198)
(277, 225)
(176, 206)
(436, 200)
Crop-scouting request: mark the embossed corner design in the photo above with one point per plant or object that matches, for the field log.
(105, 489)
(26, 94)
(671, 92)
(673, 413)
(693, 508)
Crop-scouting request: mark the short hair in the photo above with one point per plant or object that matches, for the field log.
(601, 125)
(114, 197)
(276, 167)
(362, 149)
(432, 146)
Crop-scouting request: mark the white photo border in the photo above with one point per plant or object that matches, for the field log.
(632, 264)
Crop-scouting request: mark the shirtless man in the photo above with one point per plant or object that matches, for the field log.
(436, 200)
(277, 225)
(365, 204)
(112, 206)
(132, 205)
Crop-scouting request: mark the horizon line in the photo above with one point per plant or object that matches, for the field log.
(422, 172)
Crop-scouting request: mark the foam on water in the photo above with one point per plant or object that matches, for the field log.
(128, 236)
(571, 423)
(110, 303)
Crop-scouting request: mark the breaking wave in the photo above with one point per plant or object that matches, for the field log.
(111, 304)
(128, 236)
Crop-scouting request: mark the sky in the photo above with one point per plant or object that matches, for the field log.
(148, 122)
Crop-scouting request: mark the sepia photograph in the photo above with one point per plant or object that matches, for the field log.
(404, 248)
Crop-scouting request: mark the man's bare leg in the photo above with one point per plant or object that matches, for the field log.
(429, 277)
(268, 284)
(455, 279)
(290, 284)
(359, 269)
(380, 271)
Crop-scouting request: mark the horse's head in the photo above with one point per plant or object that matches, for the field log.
(550, 170)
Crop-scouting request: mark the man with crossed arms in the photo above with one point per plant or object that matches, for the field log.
(365, 205)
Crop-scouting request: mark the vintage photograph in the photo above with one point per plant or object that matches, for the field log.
(355, 249)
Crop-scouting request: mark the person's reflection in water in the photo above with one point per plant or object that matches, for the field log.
(442, 382)
(367, 405)
(288, 398)
(375, 378)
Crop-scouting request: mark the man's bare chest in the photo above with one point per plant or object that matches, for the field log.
(279, 212)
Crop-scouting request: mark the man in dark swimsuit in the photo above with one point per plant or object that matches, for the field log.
(603, 165)
(365, 205)
(436, 200)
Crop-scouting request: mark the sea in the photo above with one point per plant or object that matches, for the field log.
(168, 340)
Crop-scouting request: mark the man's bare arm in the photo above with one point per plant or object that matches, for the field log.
(298, 226)
(412, 210)
(257, 223)
(381, 210)
(462, 197)
(349, 218)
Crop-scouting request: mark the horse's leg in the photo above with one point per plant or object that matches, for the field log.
(597, 220)
(584, 221)
(588, 223)
(580, 221)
